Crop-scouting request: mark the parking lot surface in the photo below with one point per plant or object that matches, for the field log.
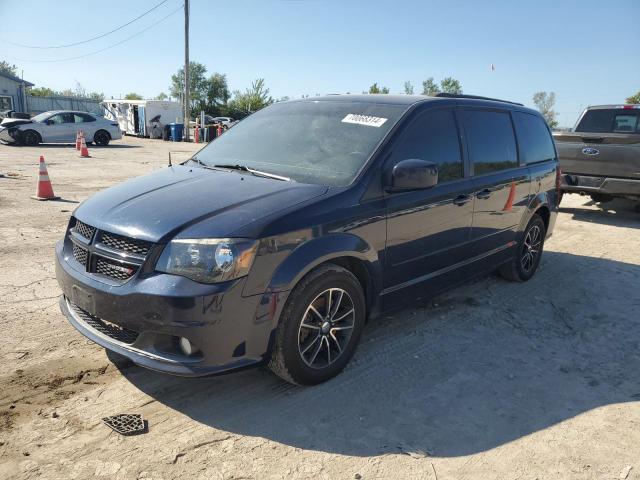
(493, 380)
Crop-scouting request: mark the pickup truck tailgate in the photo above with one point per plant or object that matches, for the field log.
(602, 155)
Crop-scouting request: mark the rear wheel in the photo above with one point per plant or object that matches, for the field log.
(31, 138)
(529, 253)
(102, 138)
(319, 327)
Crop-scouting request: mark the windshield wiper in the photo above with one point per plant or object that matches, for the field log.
(257, 173)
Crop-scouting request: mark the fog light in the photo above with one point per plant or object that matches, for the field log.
(186, 346)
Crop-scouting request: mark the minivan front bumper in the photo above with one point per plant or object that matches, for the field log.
(144, 318)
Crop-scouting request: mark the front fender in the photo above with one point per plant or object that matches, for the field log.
(320, 250)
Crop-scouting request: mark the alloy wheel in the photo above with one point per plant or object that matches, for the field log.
(326, 327)
(531, 248)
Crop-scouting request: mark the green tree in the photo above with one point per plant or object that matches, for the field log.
(375, 89)
(6, 67)
(451, 85)
(161, 96)
(430, 87)
(97, 96)
(42, 92)
(133, 96)
(634, 98)
(217, 95)
(544, 102)
(197, 84)
(408, 88)
(252, 100)
(447, 85)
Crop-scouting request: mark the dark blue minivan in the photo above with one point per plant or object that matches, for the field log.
(277, 241)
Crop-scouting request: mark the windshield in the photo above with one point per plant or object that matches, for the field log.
(320, 142)
(42, 116)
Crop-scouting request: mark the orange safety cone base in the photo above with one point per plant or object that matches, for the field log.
(42, 199)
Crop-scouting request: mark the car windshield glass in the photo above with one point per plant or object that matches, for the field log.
(321, 142)
(42, 116)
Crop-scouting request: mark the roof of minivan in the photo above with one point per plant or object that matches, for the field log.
(409, 100)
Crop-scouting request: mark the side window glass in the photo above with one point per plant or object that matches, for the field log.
(490, 139)
(534, 140)
(433, 136)
(55, 119)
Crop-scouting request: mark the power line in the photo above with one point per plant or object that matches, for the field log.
(106, 48)
(89, 39)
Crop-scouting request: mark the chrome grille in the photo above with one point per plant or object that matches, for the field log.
(80, 254)
(109, 329)
(83, 229)
(129, 245)
(115, 270)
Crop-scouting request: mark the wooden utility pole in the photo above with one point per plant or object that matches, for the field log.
(186, 70)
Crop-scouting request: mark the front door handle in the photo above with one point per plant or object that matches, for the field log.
(486, 193)
(462, 199)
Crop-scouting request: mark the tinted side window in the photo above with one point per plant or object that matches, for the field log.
(82, 118)
(534, 140)
(490, 139)
(433, 136)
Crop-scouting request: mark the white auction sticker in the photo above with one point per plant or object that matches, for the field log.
(364, 120)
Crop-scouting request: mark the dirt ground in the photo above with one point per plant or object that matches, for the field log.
(493, 380)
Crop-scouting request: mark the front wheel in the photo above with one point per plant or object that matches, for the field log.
(528, 254)
(319, 327)
(30, 138)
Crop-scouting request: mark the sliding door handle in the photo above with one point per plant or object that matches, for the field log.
(462, 199)
(486, 193)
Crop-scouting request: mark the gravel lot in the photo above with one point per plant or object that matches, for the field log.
(492, 380)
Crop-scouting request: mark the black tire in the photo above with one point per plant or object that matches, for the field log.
(296, 332)
(601, 197)
(31, 138)
(102, 138)
(525, 263)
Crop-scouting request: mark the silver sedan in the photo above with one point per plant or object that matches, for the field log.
(59, 127)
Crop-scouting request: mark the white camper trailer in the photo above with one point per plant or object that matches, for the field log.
(143, 118)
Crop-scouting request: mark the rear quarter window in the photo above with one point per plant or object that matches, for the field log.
(534, 140)
(490, 140)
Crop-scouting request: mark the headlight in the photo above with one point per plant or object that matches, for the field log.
(208, 260)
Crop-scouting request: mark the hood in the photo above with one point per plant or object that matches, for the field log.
(209, 203)
(13, 122)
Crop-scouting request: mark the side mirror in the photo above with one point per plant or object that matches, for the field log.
(48, 122)
(411, 174)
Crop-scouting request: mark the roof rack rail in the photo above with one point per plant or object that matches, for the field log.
(475, 97)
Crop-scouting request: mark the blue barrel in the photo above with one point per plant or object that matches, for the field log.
(175, 132)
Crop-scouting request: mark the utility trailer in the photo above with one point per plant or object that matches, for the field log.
(142, 118)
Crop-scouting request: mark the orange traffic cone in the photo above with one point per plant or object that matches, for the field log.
(44, 190)
(78, 135)
(512, 193)
(84, 151)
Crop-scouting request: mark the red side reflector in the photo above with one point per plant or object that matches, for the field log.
(628, 107)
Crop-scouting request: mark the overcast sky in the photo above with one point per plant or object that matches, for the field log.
(588, 52)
